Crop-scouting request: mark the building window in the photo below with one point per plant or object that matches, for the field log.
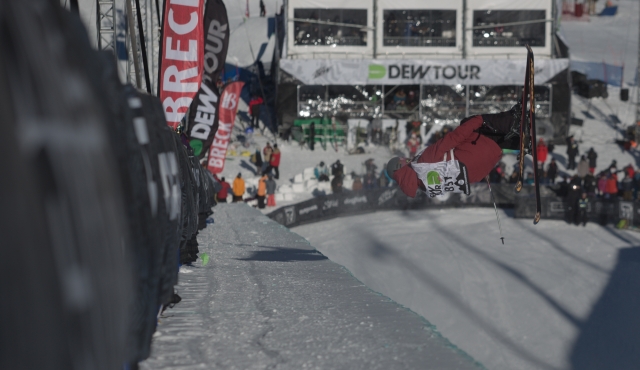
(508, 36)
(330, 27)
(419, 27)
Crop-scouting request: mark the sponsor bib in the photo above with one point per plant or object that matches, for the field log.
(448, 176)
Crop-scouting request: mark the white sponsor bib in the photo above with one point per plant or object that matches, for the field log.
(448, 176)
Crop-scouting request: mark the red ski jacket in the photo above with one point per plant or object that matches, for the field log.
(479, 153)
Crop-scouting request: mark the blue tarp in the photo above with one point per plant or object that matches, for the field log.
(608, 73)
(609, 11)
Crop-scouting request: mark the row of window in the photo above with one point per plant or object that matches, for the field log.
(418, 27)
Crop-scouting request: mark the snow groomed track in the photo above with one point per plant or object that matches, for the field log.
(267, 299)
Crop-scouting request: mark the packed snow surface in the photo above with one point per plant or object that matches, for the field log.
(520, 305)
(268, 300)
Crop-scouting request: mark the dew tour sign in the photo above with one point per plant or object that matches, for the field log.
(203, 114)
(435, 72)
(415, 72)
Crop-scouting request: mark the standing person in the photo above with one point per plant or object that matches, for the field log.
(583, 207)
(254, 109)
(336, 183)
(271, 191)
(263, 11)
(238, 188)
(256, 159)
(583, 167)
(611, 187)
(261, 193)
(629, 170)
(413, 145)
(312, 135)
(552, 171)
(370, 180)
(575, 190)
(266, 155)
(572, 152)
(590, 185)
(222, 195)
(542, 152)
(592, 156)
(602, 184)
(627, 187)
(336, 167)
(357, 183)
(274, 163)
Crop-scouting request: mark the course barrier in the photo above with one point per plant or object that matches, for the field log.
(365, 201)
(554, 207)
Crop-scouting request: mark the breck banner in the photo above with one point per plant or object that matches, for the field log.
(416, 72)
(227, 110)
(182, 57)
(203, 113)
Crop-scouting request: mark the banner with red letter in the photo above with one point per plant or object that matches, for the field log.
(227, 108)
(182, 57)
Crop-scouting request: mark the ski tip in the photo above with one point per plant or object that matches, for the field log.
(537, 218)
(519, 186)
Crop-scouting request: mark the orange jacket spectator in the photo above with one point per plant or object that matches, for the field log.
(238, 186)
(262, 186)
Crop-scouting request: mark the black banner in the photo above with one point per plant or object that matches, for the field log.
(203, 112)
(351, 203)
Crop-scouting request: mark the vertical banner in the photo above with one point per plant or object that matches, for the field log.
(182, 57)
(203, 112)
(228, 108)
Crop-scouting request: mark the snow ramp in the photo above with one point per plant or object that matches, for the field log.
(268, 299)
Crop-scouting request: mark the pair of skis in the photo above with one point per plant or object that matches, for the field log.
(528, 132)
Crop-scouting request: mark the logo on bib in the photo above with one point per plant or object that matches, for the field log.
(433, 178)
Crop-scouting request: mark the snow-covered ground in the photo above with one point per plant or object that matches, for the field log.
(514, 306)
(613, 40)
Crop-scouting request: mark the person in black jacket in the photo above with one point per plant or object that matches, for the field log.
(582, 207)
(575, 191)
(312, 135)
(572, 152)
(552, 171)
(336, 167)
(592, 156)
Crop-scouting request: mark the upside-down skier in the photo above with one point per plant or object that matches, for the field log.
(463, 156)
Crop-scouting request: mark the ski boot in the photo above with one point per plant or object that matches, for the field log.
(516, 114)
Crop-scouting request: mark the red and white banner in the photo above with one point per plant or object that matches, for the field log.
(182, 57)
(227, 109)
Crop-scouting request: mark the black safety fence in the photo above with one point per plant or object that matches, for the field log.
(101, 200)
(554, 206)
(365, 201)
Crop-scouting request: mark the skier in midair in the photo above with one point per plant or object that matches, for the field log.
(476, 146)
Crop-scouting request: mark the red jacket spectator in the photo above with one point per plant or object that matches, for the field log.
(542, 152)
(612, 186)
(275, 158)
(255, 101)
(224, 192)
(413, 145)
(630, 171)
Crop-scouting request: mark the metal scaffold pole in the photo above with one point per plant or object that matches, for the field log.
(105, 24)
(638, 78)
(134, 43)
